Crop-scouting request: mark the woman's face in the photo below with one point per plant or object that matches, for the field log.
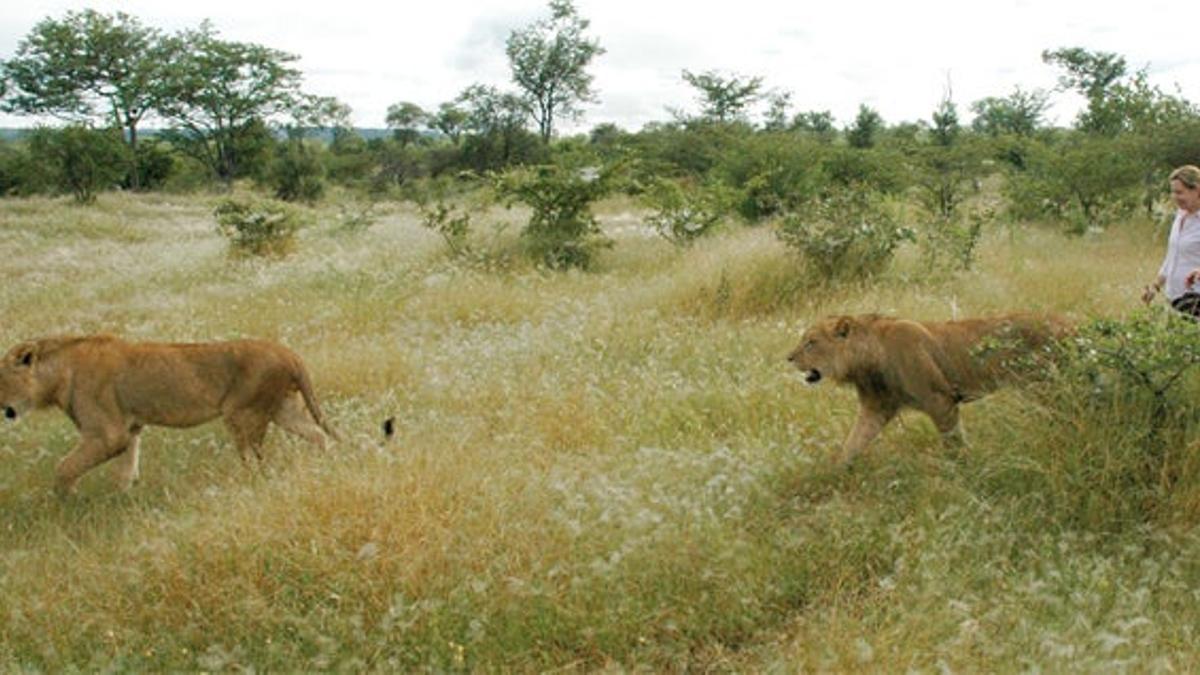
(1185, 197)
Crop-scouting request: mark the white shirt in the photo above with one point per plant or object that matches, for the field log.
(1183, 254)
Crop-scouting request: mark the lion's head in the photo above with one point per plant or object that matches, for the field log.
(827, 349)
(17, 383)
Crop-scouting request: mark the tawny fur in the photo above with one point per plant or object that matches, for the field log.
(932, 367)
(111, 389)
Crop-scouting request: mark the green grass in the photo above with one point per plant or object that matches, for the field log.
(612, 469)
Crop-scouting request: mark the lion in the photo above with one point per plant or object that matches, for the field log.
(927, 366)
(111, 389)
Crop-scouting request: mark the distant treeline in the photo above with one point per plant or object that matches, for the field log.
(223, 111)
(325, 135)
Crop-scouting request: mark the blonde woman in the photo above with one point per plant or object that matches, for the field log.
(1179, 275)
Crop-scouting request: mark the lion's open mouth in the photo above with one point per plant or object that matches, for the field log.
(10, 412)
(812, 376)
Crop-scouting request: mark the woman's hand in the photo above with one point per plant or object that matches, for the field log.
(1149, 292)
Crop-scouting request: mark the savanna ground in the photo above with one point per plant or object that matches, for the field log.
(611, 469)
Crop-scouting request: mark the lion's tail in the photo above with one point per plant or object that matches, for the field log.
(304, 384)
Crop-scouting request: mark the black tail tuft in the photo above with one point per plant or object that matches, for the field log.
(389, 428)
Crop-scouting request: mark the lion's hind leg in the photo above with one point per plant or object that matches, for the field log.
(944, 414)
(248, 428)
(294, 418)
(125, 465)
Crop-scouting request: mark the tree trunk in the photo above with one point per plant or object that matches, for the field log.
(135, 173)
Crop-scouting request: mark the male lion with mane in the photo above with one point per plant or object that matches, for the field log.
(111, 388)
(928, 366)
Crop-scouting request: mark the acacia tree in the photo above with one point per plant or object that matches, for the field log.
(89, 67)
(406, 119)
(222, 93)
(866, 126)
(549, 61)
(1020, 113)
(450, 120)
(724, 99)
(776, 118)
(1093, 74)
(496, 125)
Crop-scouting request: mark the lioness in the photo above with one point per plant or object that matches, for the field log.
(929, 366)
(111, 389)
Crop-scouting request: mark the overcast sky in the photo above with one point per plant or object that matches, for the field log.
(896, 56)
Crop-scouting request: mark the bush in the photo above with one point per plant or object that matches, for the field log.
(1080, 182)
(155, 166)
(846, 235)
(883, 169)
(775, 173)
(79, 160)
(356, 216)
(1120, 420)
(951, 242)
(13, 165)
(1133, 368)
(945, 176)
(451, 225)
(258, 227)
(682, 213)
(562, 232)
(296, 173)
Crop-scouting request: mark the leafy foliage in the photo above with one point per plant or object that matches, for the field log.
(79, 160)
(845, 235)
(452, 224)
(221, 93)
(951, 243)
(296, 173)
(562, 231)
(724, 98)
(682, 213)
(1081, 182)
(771, 173)
(256, 227)
(1020, 113)
(92, 67)
(1130, 376)
(549, 64)
(866, 127)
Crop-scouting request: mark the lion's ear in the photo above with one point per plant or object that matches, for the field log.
(842, 329)
(26, 354)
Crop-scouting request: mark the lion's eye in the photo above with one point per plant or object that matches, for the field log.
(809, 345)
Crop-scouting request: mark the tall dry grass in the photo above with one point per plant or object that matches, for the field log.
(593, 470)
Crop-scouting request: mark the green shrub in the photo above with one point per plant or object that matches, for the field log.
(562, 231)
(682, 213)
(1080, 182)
(155, 166)
(258, 227)
(357, 216)
(297, 173)
(951, 243)
(848, 234)
(452, 225)
(1118, 420)
(1133, 369)
(79, 160)
(882, 169)
(775, 173)
(946, 175)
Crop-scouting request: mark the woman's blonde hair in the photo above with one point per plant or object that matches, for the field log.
(1187, 174)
